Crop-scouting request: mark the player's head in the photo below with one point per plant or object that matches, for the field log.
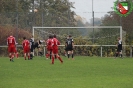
(69, 36)
(24, 38)
(54, 36)
(11, 33)
(119, 38)
(50, 36)
(40, 42)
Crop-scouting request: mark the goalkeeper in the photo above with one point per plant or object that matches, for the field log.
(119, 48)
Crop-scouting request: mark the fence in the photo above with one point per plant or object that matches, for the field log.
(102, 50)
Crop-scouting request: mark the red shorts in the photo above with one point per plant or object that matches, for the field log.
(55, 51)
(26, 50)
(49, 49)
(15, 50)
(11, 49)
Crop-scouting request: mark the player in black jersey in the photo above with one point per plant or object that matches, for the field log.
(38, 46)
(65, 50)
(70, 46)
(119, 48)
(31, 47)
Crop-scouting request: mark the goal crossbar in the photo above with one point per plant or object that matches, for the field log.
(84, 27)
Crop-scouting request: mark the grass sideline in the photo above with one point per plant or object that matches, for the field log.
(83, 72)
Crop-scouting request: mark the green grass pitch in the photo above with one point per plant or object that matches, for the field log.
(83, 72)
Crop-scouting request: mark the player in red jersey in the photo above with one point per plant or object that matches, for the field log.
(49, 47)
(26, 48)
(55, 44)
(11, 42)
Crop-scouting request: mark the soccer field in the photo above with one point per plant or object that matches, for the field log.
(83, 72)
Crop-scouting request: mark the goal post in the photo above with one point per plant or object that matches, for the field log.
(115, 32)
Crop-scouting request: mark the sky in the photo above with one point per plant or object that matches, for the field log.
(100, 8)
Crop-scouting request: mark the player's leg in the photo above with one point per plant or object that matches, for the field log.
(72, 54)
(31, 55)
(48, 53)
(52, 56)
(28, 54)
(65, 51)
(12, 52)
(117, 53)
(10, 55)
(16, 54)
(40, 52)
(31, 52)
(24, 51)
(24, 55)
(68, 54)
(57, 55)
(121, 53)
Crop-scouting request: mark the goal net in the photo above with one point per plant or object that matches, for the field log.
(88, 40)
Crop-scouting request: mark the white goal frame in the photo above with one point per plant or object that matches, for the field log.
(120, 27)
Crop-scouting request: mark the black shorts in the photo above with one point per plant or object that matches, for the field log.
(65, 49)
(119, 50)
(32, 48)
(69, 48)
(36, 46)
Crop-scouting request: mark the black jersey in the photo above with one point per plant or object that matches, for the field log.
(31, 42)
(38, 43)
(120, 44)
(69, 42)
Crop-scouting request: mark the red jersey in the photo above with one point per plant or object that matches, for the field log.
(49, 43)
(26, 44)
(55, 43)
(11, 41)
